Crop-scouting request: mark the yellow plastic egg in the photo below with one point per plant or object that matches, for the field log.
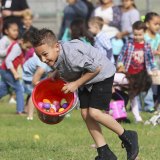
(61, 110)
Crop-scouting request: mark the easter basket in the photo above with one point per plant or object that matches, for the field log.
(51, 90)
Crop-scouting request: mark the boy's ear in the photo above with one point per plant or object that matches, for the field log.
(56, 45)
(6, 31)
(147, 25)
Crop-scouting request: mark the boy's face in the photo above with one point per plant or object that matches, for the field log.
(93, 28)
(48, 53)
(25, 45)
(138, 35)
(27, 21)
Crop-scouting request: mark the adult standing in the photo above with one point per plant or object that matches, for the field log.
(75, 9)
(14, 9)
(0, 19)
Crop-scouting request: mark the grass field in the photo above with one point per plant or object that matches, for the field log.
(68, 140)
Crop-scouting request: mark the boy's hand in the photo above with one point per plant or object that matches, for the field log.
(121, 69)
(155, 72)
(70, 87)
(156, 52)
(16, 76)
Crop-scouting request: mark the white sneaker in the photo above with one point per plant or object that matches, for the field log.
(12, 101)
(30, 118)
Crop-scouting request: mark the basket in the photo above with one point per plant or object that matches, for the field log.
(117, 109)
(51, 90)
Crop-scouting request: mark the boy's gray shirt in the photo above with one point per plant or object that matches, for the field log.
(77, 58)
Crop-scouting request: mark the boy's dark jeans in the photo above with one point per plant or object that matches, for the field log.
(7, 80)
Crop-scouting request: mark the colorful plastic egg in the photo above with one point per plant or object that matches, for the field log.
(63, 101)
(57, 107)
(64, 105)
(46, 105)
(46, 101)
(54, 107)
(61, 110)
(56, 103)
(40, 104)
(51, 110)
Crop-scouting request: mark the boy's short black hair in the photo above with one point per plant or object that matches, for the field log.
(27, 36)
(43, 36)
(138, 25)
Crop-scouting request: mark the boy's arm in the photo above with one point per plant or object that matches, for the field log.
(3, 53)
(37, 75)
(54, 74)
(73, 86)
(15, 73)
(157, 51)
(15, 52)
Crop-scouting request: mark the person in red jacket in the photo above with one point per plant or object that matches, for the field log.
(8, 69)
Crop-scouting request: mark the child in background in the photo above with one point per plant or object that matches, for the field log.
(33, 71)
(78, 30)
(136, 60)
(8, 68)
(152, 36)
(111, 15)
(5, 42)
(1, 21)
(27, 23)
(86, 69)
(102, 41)
(129, 15)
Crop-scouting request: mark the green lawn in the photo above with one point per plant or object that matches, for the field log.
(68, 140)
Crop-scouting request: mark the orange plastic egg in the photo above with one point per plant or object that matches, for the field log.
(46, 101)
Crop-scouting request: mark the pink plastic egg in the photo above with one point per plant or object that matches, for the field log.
(57, 107)
(56, 103)
(40, 104)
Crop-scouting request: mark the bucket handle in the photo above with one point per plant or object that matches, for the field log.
(74, 105)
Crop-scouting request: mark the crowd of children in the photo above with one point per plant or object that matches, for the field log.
(16, 54)
(138, 44)
(87, 52)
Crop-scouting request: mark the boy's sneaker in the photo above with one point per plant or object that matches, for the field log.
(130, 143)
(12, 101)
(104, 153)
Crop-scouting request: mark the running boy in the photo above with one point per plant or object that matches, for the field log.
(89, 71)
